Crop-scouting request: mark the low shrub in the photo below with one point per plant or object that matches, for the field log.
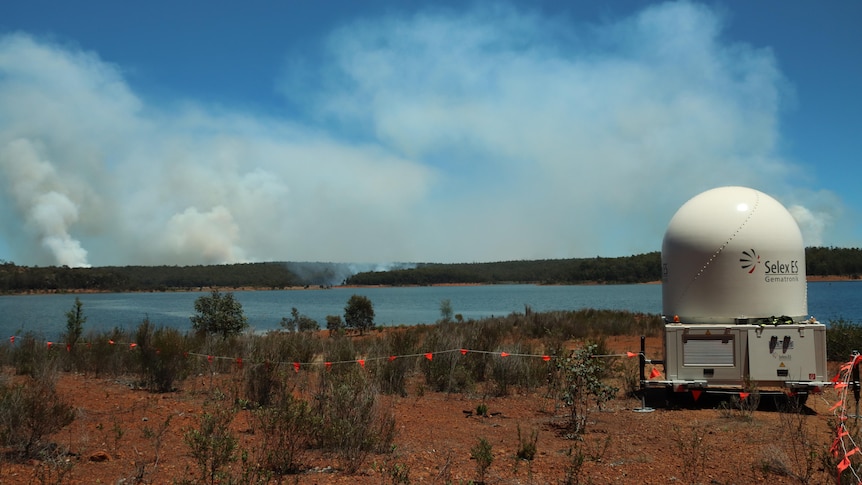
(843, 337)
(482, 453)
(33, 356)
(286, 430)
(350, 418)
(581, 385)
(161, 356)
(211, 444)
(29, 413)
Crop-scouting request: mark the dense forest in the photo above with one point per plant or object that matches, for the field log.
(820, 261)
(630, 269)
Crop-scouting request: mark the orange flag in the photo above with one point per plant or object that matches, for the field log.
(429, 356)
(361, 362)
(654, 373)
(463, 351)
(743, 395)
(631, 354)
(546, 358)
(504, 354)
(296, 367)
(695, 394)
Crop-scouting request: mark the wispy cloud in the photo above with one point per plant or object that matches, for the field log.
(482, 135)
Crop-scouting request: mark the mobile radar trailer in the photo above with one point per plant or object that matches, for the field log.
(734, 299)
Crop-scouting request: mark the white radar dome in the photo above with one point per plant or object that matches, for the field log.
(733, 255)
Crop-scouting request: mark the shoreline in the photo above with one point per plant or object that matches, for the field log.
(809, 279)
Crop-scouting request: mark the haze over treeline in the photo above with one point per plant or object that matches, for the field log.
(641, 268)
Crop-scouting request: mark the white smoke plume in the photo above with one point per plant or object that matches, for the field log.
(45, 201)
(812, 225)
(483, 134)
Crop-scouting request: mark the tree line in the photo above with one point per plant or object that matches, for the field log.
(629, 269)
(19, 279)
(641, 268)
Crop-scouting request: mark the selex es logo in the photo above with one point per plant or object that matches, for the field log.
(749, 260)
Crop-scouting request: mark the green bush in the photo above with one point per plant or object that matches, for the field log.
(286, 430)
(212, 445)
(161, 356)
(391, 376)
(447, 372)
(842, 338)
(350, 418)
(581, 385)
(482, 453)
(29, 413)
(33, 357)
(99, 356)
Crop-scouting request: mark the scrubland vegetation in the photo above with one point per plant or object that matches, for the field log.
(310, 391)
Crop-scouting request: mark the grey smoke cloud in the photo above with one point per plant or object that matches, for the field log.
(491, 134)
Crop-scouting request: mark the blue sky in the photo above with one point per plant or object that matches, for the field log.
(383, 131)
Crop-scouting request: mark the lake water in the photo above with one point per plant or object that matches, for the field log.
(45, 314)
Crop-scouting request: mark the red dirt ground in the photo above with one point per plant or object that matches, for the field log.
(111, 439)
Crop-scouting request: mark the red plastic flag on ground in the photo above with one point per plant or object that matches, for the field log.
(835, 447)
(631, 354)
(743, 395)
(68, 347)
(463, 351)
(210, 359)
(546, 358)
(695, 394)
(845, 464)
(836, 405)
(239, 362)
(50, 344)
(654, 373)
(429, 356)
(328, 365)
(361, 363)
(132, 346)
(504, 354)
(296, 367)
(392, 357)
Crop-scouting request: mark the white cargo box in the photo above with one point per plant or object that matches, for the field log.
(764, 356)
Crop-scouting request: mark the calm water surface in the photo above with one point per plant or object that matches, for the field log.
(45, 314)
